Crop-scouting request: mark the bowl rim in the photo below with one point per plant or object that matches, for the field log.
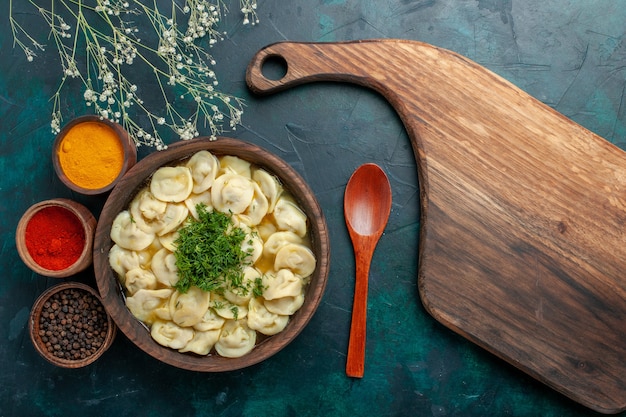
(84, 216)
(35, 338)
(119, 199)
(128, 146)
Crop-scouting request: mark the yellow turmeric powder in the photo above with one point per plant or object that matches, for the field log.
(91, 155)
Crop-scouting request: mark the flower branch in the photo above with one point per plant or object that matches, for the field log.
(104, 47)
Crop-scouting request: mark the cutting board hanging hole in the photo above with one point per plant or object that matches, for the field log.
(274, 67)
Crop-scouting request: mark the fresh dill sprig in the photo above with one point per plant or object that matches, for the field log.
(208, 252)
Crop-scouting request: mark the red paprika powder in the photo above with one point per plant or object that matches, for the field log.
(55, 238)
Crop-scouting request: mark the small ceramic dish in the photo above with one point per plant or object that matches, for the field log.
(54, 237)
(91, 154)
(114, 296)
(69, 326)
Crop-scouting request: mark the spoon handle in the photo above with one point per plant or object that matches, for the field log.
(356, 346)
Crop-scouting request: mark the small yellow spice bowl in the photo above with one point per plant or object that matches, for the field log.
(90, 154)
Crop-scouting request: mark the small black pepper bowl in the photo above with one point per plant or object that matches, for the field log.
(69, 326)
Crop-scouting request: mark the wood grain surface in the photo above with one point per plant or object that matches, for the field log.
(522, 243)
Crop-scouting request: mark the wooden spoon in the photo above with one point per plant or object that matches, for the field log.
(367, 203)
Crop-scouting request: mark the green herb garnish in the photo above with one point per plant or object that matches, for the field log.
(235, 310)
(258, 287)
(208, 252)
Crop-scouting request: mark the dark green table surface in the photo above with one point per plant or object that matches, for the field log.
(570, 54)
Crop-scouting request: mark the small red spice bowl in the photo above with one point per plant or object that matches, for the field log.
(91, 154)
(54, 237)
(69, 326)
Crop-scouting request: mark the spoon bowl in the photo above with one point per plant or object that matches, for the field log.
(367, 204)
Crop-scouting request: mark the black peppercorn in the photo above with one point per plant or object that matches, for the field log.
(73, 324)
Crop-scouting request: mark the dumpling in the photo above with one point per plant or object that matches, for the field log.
(187, 309)
(162, 312)
(164, 267)
(202, 342)
(172, 184)
(277, 240)
(236, 339)
(264, 321)
(288, 216)
(235, 165)
(266, 229)
(143, 303)
(252, 246)
(174, 216)
(168, 240)
(257, 209)
(269, 185)
(169, 334)
(155, 216)
(126, 233)
(298, 258)
(147, 211)
(242, 294)
(123, 260)
(204, 167)
(146, 254)
(194, 199)
(209, 321)
(285, 306)
(226, 309)
(283, 283)
(139, 279)
(232, 193)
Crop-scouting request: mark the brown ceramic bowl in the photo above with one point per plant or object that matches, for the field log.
(46, 333)
(83, 216)
(119, 200)
(128, 147)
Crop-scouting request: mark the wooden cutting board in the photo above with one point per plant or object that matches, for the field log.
(523, 243)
